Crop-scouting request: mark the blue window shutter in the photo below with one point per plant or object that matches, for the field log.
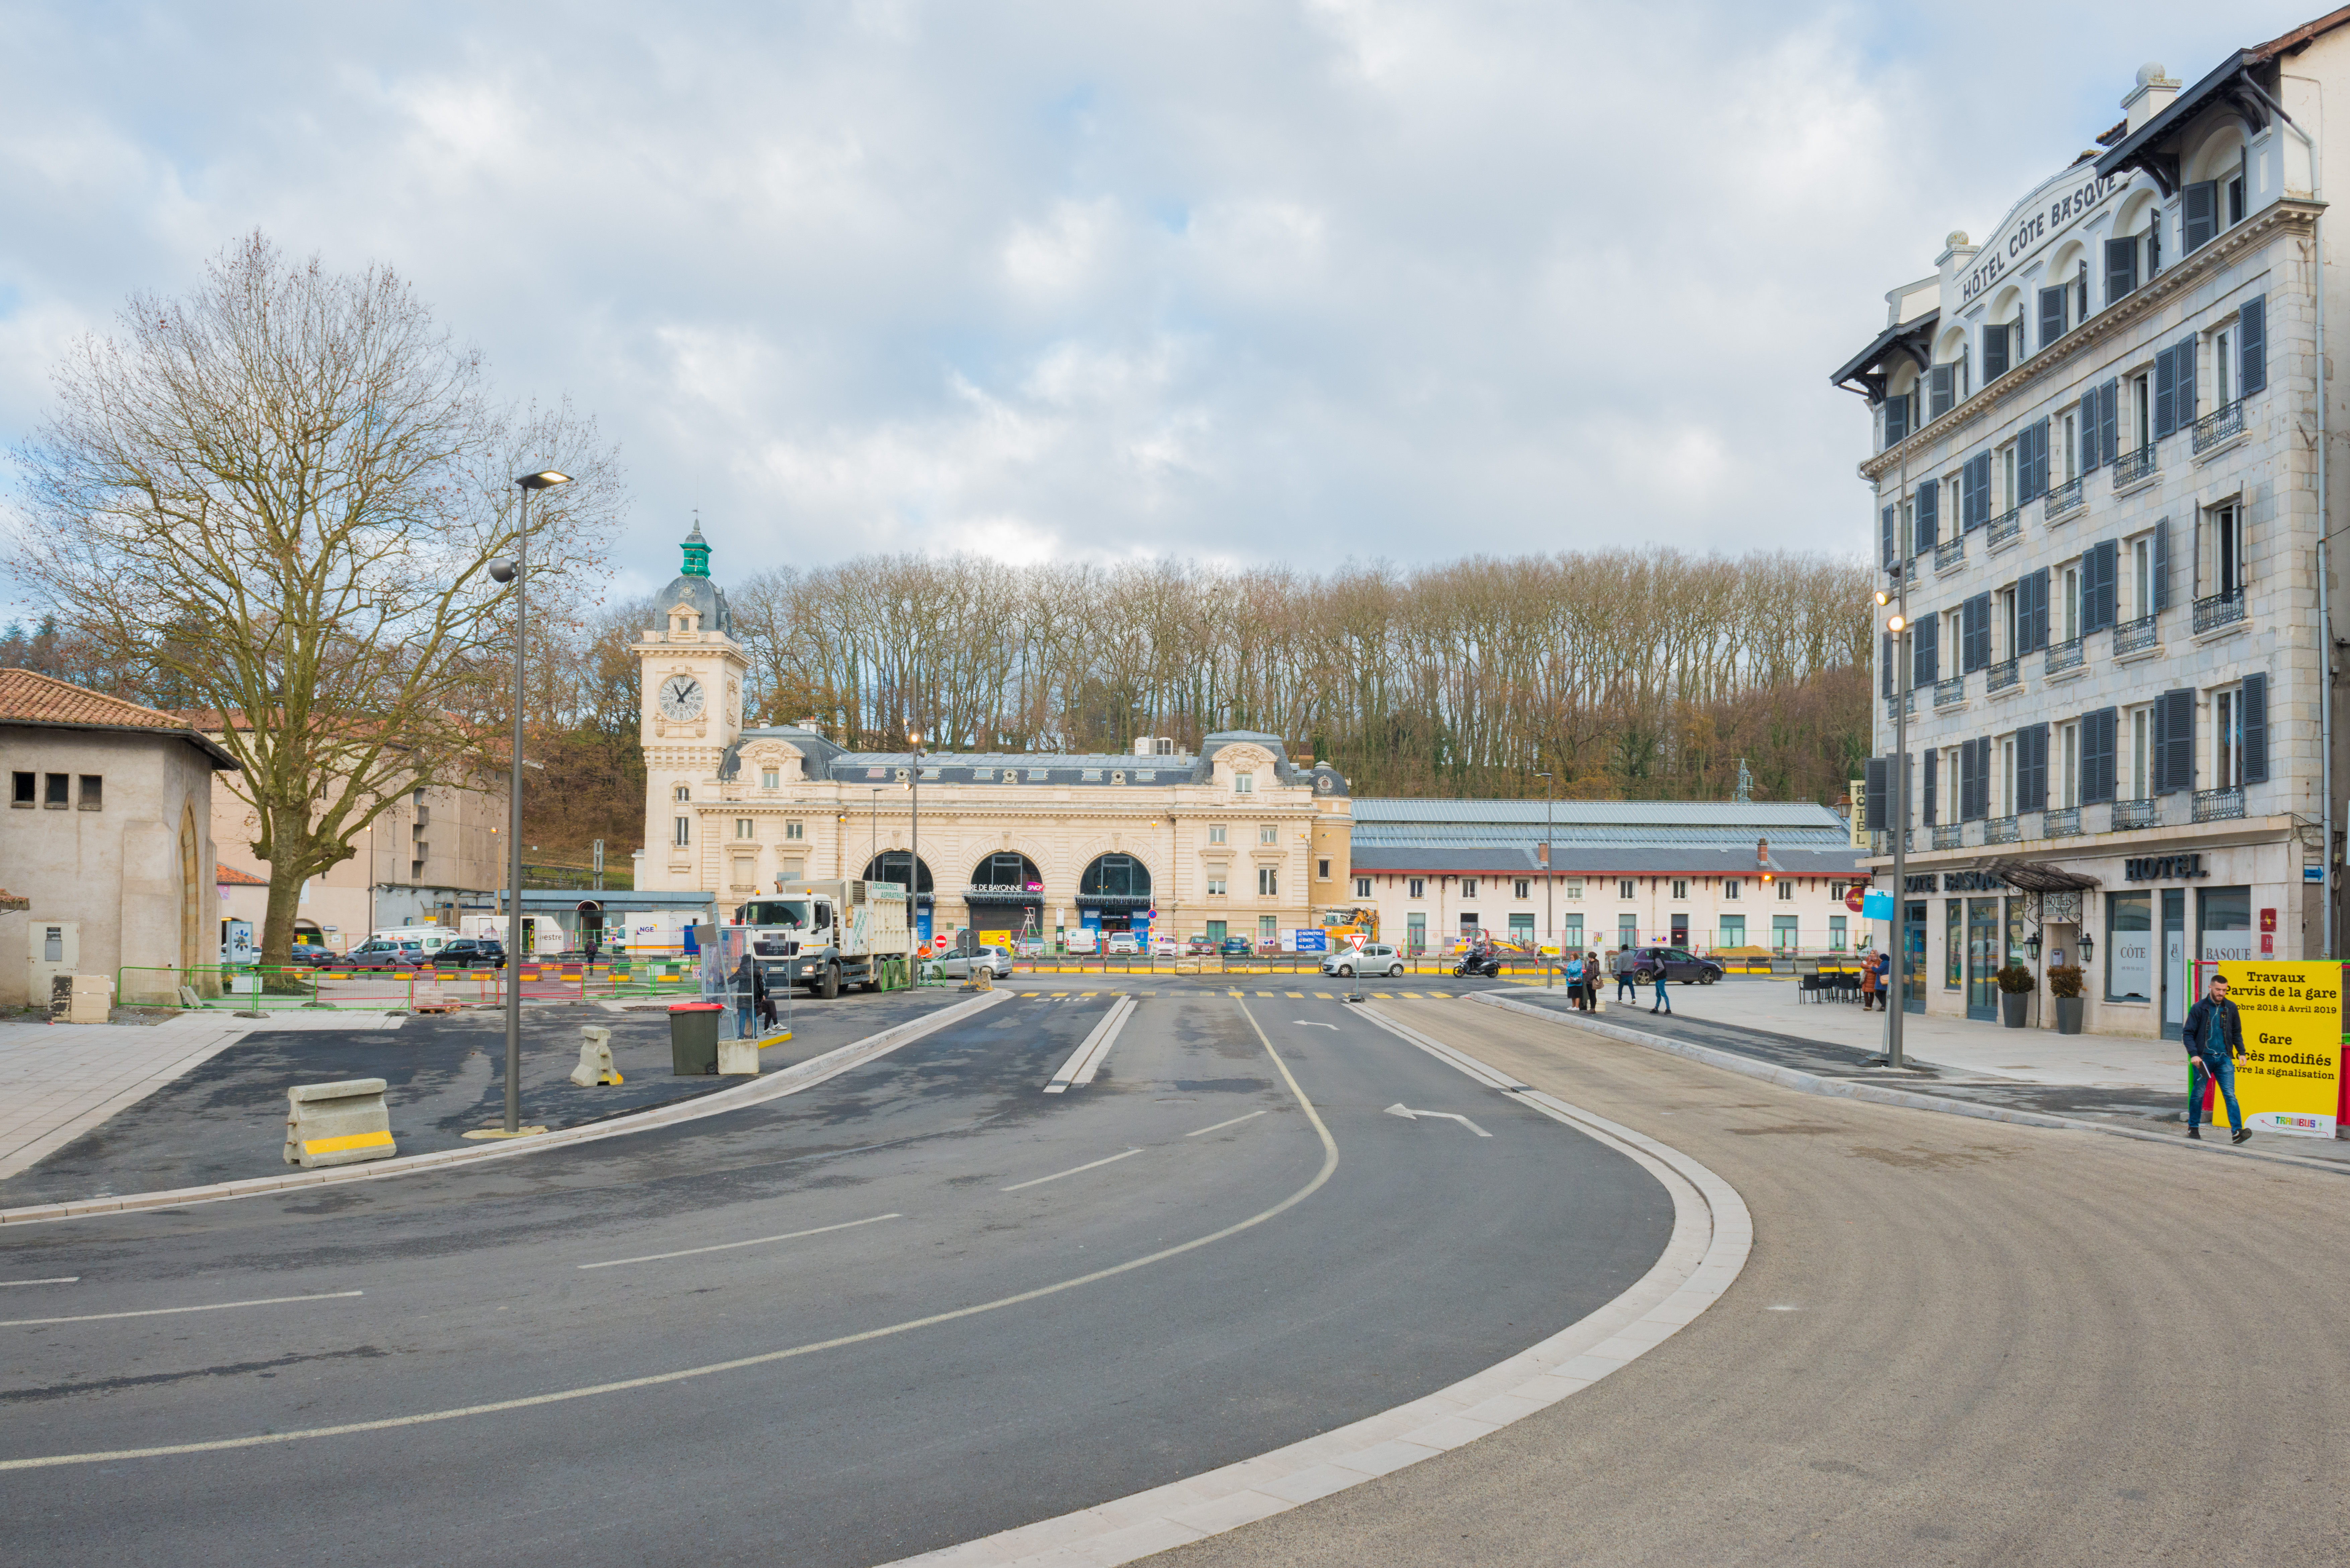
(2198, 207)
(1941, 381)
(1994, 342)
(2052, 315)
(1930, 817)
(2109, 421)
(1878, 821)
(1929, 503)
(1891, 536)
(2183, 354)
(2165, 392)
(2175, 741)
(1977, 620)
(2035, 483)
(2255, 703)
(1886, 663)
(2098, 770)
(2032, 611)
(2101, 589)
(2252, 346)
(2031, 768)
(2121, 269)
(1896, 419)
(1925, 660)
(1981, 471)
(2162, 565)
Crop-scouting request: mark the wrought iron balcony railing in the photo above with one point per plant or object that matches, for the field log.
(2219, 610)
(2003, 830)
(2061, 824)
(1950, 836)
(2003, 527)
(1946, 693)
(2064, 656)
(2223, 423)
(2135, 635)
(1951, 551)
(2067, 497)
(1893, 704)
(2140, 812)
(2133, 466)
(2219, 805)
(2001, 676)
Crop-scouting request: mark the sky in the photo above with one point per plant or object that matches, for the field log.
(1254, 284)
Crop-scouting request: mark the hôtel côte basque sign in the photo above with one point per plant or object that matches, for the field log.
(2033, 229)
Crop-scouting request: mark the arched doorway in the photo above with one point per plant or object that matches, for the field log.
(1006, 898)
(897, 866)
(1114, 895)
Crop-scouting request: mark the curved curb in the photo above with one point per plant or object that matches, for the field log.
(1877, 1094)
(756, 1091)
(1712, 1233)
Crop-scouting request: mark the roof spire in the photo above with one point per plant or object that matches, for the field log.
(697, 550)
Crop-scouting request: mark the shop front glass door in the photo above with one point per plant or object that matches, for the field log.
(1983, 959)
(1913, 956)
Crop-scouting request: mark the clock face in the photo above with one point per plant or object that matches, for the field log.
(680, 697)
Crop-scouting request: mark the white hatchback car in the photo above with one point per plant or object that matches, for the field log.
(1122, 944)
(1375, 959)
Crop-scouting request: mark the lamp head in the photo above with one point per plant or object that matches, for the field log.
(1894, 623)
(501, 570)
(545, 479)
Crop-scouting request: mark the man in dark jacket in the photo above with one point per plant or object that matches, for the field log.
(2215, 1040)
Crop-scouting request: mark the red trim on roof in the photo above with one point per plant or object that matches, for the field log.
(230, 877)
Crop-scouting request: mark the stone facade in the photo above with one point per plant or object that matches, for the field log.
(1237, 840)
(2098, 505)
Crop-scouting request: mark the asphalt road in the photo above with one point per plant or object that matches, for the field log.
(1955, 1342)
(951, 1302)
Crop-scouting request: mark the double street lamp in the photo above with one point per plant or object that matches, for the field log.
(1898, 788)
(514, 572)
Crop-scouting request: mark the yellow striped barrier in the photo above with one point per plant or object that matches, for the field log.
(338, 1124)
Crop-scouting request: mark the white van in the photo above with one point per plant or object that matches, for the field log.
(431, 938)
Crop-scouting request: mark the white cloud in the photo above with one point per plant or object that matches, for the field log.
(1055, 280)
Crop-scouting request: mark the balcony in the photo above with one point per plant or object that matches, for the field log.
(2133, 466)
(2219, 805)
(1894, 705)
(1881, 841)
(2136, 636)
(2062, 824)
(1947, 692)
(2219, 610)
(2003, 830)
(2063, 499)
(1951, 551)
(2222, 425)
(2064, 656)
(1951, 835)
(2130, 813)
(2003, 527)
(2001, 676)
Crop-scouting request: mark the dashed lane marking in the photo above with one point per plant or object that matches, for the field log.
(1222, 1126)
(730, 1246)
(1073, 1170)
(168, 1312)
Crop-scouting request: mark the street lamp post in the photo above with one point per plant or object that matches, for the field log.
(1550, 886)
(914, 856)
(515, 572)
(1899, 788)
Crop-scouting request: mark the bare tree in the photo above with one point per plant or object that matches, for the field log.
(276, 499)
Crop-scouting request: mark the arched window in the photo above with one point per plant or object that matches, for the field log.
(1009, 871)
(897, 865)
(1115, 877)
(684, 792)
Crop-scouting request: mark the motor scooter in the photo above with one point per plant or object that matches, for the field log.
(1482, 963)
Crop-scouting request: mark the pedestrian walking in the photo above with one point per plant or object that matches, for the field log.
(763, 999)
(1663, 1003)
(592, 951)
(746, 983)
(1626, 988)
(2214, 1036)
(1591, 982)
(1868, 982)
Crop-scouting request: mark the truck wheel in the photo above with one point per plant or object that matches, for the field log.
(830, 987)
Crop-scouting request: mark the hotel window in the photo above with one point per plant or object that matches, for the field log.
(1415, 888)
(2226, 546)
(684, 831)
(2140, 781)
(745, 828)
(1730, 888)
(1468, 887)
(2228, 738)
(1215, 887)
(2142, 409)
(1244, 783)
(2141, 577)
(2068, 767)
(2006, 499)
(2223, 370)
(2068, 587)
(792, 830)
(1624, 888)
(1680, 889)
(1267, 833)
(1362, 887)
(770, 778)
(2067, 433)
(1521, 889)
(2003, 627)
(1215, 833)
(1268, 881)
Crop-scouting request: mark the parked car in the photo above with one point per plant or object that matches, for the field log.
(1122, 944)
(1377, 957)
(1236, 947)
(995, 962)
(1199, 947)
(310, 953)
(472, 952)
(1165, 947)
(376, 954)
(1681, 967)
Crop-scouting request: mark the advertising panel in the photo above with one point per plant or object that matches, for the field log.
(2290, 1079)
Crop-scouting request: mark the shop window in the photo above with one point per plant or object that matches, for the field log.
(1415, 932)
(1268, 929)
(1522, 930)
(1627, 931)
(1954, 944)
(1362, 887)
(2223, 923)
(28, 790)
(1836, 933)
(2129, 947)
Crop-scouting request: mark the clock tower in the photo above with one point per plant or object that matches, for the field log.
(690, 713)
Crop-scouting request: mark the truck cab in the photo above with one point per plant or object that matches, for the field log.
(826, 935)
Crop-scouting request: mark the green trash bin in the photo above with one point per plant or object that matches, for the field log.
(693, 1038)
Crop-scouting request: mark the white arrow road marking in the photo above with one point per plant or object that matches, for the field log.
(1079, 1069)
(1408, 1114)
(1310, 1023)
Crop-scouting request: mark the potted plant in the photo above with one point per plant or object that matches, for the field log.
(2016, 984)
(2065, 985)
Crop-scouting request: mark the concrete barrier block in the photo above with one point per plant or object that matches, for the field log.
(338, 1124)
(93, 999)
(595, 1058)
(738, 1058)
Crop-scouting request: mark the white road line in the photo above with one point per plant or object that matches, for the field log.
(1222, 1126)
(60, 1280)
(754, 1241)
(1056, 1176)
(167, 1312)
(1082, 1063)
(1408, 1114)
(1310, 1023)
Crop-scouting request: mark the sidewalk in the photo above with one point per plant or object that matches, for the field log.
(60, 1080)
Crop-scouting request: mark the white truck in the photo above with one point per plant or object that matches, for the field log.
(825, 935)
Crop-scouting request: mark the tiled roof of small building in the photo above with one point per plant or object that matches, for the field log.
(27, 698)
(230, 877)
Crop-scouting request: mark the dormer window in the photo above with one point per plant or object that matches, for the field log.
(770, 778)
(1244, 783)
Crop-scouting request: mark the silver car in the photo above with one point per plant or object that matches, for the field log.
(1376, 958)
(994, 962)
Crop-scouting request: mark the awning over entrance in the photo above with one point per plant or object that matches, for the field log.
(2034, 877)
(1114, 901)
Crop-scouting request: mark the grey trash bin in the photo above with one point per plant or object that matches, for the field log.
(693, 1038)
